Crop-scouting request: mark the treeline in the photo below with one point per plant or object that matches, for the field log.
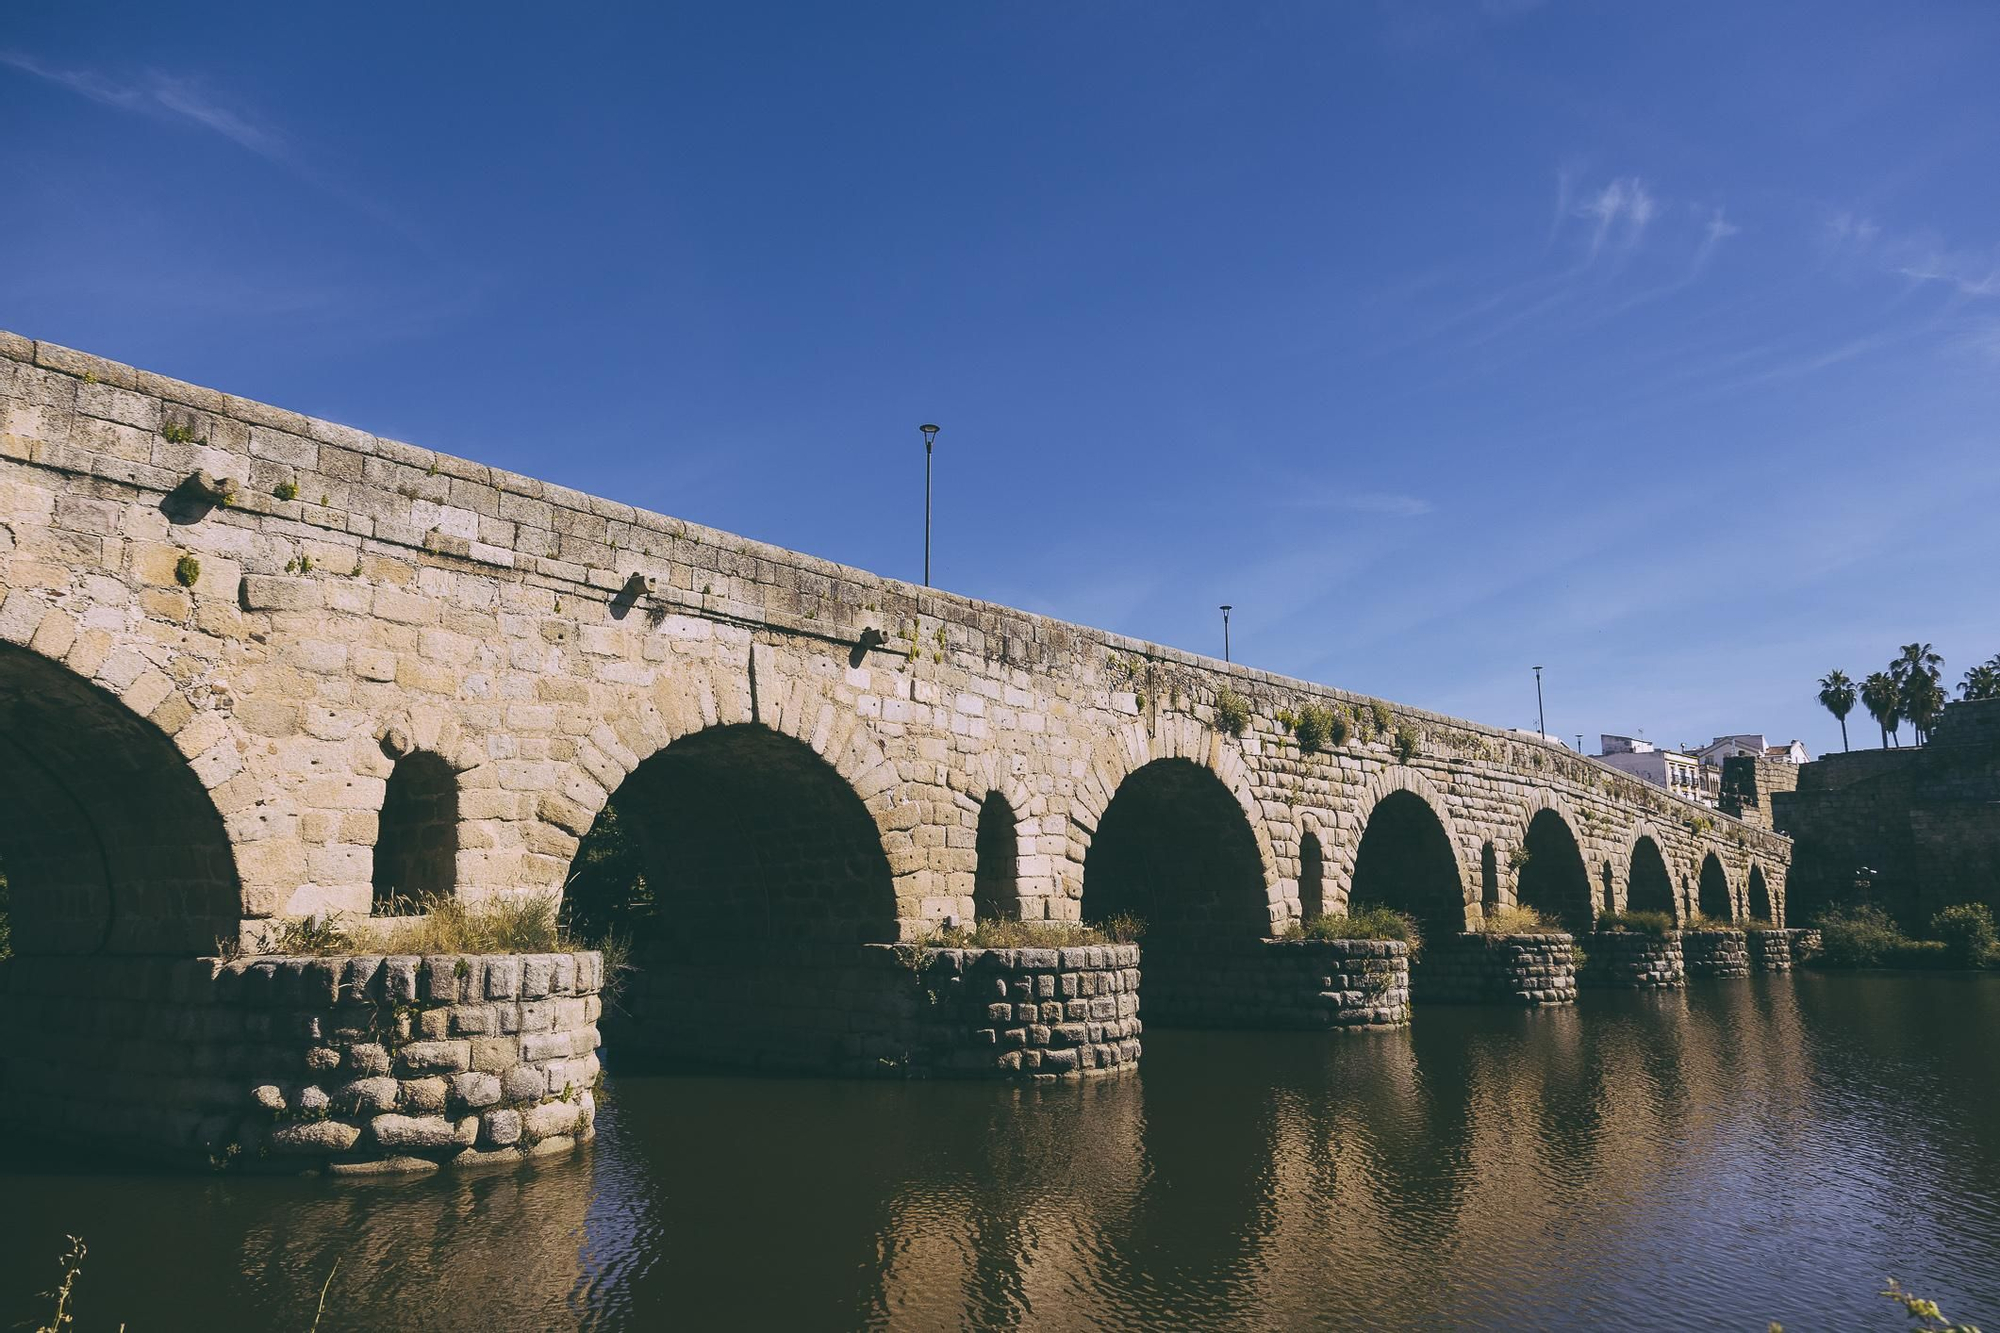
(1910, 690)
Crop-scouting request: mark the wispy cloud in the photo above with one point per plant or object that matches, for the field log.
(1718, 230)
(1386, 503)
(163, 96)
(1620, 213)
(186, 101)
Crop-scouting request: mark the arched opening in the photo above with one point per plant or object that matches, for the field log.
(995, 885)
(1712, 894)
(1312, 878)
(1489, 879)
(1760, 896)
(736, 858)
(1609, 880)
(1554, 881)
(1648, 887)
(742, 834)
(1405, 862)
(1175, 850)
(109, 841)
(416, 845)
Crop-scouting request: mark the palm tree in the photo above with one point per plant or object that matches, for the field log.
(1883, 702)
(1836, 695)
(1920, 696)
(1983, 681)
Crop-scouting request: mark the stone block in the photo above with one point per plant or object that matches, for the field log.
(423, 1096)
(316, 1136)
(475, 1090)
(434, 1057)
(502, 1127)
(413, 1133)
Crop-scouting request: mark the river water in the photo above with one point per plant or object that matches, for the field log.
(1738, 1153)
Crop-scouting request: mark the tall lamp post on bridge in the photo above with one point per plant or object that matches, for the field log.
(930, 438)
(1226, 609)
(1540, 717)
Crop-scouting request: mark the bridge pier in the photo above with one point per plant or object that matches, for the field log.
(1770, 950)
(344, 1065)
(1633, 959)
(896, 1011)
(1473, 968)
(1715, 953)
(1273, 983)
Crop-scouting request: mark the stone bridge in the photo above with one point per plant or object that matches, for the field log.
(255, 665)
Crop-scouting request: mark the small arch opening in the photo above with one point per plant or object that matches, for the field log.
(1554, 881)
(1712, 894)
(996, 892)
(1760, 895)
(416, 843)
(1312, 878)
(1405, 863)
(1648, 886)
(1489, 879)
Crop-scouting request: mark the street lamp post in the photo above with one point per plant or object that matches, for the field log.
(930, 438)
(1226, 609)
(1540, 716)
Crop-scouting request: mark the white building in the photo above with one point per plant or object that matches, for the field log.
(1682, 774)
(1729, 747)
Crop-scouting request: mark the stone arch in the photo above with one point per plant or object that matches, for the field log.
(1713, 897)
(416, 838)
(1759, 894)
(985, 777)
(1649, 886)
(1174, 849)
(1489, 877)
(746, 836)
(1182, 738)
(698, 697)
(1554, 879)
(110, 839)
(1312, 875)
(1387, 782)
(996, 872)
(1407, 859)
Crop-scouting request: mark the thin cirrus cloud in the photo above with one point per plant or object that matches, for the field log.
(1620, 213)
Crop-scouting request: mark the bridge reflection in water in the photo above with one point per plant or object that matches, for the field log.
(1737, 1152)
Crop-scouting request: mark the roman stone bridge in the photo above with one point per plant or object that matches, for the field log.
(255, 666)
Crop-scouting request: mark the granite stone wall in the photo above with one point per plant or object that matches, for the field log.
(342, 1065)
(1632, 959)
(1308, 984)
(1715, 953)
(1770, 950)
(1476, 968)
(889, 1011)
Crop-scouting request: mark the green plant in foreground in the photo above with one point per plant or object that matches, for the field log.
(1384, 716)
(1316, 726)
(1366, 923)
(1516, 921)
(1967, 932)
(286, 490)
(72, 1266)
(187, 569)
(177, 432)
(1408, 742)
(1638, 923)
(1232, 711)
(1009, 934)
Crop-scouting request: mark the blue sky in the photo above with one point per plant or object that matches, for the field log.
(1659, 345)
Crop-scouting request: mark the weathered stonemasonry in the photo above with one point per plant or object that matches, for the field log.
(896, 1011)
(1748, 784)
(1308, 984)
(1805, 944)
(1912, 830)
(1715, 953)
(1770, 950)
(357, 1065)
(256, 666)
(1633, 959)
(1474, 968)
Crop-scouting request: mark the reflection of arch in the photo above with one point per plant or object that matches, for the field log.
(1312, 877)
(1555, 881)
(1648, 886)
(1177, 738)
(997, 857)
(108, 835)
(1712, 894)
(1760, 895)
(1406, 862)
(746, 834)
(1174, 849)
(416, 842)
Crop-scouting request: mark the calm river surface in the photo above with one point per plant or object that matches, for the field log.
(1743, 1152)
